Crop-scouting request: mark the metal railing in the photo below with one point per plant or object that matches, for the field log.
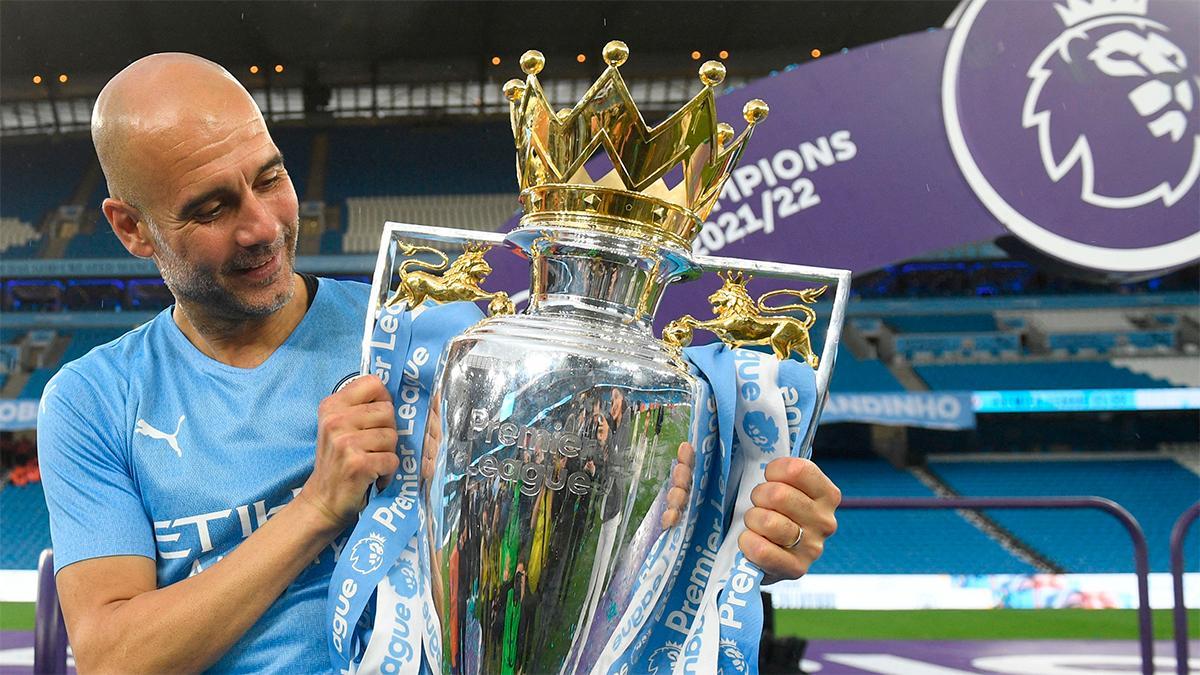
(1178, 535)
(1141, 557)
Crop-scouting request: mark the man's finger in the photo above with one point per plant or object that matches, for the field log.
(802, 475)
(363, 389)
(677, 498)
(681, 477)
(772, 525)
(784, 499)
(687, 455)
(772, 558)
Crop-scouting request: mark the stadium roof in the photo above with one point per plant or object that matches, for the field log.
(345, 42)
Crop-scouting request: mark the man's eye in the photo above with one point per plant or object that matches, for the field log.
(208, 215)
(271, 181)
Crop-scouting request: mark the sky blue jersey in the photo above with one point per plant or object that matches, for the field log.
(148, 447)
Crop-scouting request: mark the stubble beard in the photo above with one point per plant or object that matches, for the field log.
(201, 288)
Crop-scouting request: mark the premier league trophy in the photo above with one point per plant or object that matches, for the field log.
(557, 469)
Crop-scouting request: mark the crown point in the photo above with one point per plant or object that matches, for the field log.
(755, 110)
(513, 89)
(616, 53)
(532, 62)
(712, 73)
(724, 133)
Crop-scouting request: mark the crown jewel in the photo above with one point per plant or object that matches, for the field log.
(553, 147)
(1075, 12)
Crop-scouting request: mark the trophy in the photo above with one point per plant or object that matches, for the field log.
(563, 428)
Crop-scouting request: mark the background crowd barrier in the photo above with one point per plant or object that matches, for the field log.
(1141, 558)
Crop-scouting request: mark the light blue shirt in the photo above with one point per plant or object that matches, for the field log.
(148, 447)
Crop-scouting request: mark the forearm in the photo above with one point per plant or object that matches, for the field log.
(187, 626)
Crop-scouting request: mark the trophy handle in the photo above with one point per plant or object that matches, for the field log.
(740, 320)
(400, 278)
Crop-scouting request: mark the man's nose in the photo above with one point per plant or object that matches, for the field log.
(257, 226)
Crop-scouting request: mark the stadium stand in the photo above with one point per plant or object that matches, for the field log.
(18, 239)
(854, 375)
(26, 169)
(904, 542)
(469, 212)
(415, 160)
(1180, 371)
(1033, 375)
(1155, 491)
(26, 528)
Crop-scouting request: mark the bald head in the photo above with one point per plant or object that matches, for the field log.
(143, 109)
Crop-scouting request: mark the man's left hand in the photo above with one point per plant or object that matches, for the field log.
(792, 516)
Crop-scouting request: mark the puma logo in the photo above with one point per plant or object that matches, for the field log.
(172, 440)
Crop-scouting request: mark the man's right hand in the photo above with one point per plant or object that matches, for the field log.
(356, 445)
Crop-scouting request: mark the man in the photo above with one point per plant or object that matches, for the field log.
(195, 443)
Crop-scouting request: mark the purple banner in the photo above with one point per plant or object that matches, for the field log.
(1072, 125)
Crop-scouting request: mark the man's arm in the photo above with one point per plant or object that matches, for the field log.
(119, 621)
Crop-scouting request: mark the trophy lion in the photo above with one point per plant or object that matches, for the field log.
(446, 281)
(741, 321)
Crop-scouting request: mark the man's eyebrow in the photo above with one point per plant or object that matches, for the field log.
(196, 202)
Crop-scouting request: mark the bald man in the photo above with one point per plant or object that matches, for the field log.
(195, 443)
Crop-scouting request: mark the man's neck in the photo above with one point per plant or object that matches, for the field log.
(243, 342)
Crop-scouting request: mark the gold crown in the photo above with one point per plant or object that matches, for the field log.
(633, 198)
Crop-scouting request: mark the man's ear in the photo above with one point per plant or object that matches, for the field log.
(126, 222)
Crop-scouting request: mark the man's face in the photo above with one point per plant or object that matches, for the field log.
(223, 214)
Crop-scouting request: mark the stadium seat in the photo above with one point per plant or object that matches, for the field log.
(1155, 491)
(1033, 375)
(852, 375)
(942, 323)
(26, 530)
(904, 542)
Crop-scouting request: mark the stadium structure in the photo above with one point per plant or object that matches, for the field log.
(976, 370)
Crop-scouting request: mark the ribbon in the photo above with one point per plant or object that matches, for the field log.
(403, 352)
(693, 605)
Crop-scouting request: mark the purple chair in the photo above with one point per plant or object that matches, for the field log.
(49, 631)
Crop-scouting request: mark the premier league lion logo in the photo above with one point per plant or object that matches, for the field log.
(404, 579)
(1129, 71)
(761, 429)
(732, 659)
(662, 660)
(367, 554)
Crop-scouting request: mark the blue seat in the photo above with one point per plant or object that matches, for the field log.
(1042, 375)
(904, 542)
(1154, 491)
(851, 375)
(26, 528)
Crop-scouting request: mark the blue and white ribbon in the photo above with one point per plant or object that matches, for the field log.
(382, 558)
(693, 606)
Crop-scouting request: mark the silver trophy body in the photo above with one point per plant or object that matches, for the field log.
(561, 428)
(560, 431)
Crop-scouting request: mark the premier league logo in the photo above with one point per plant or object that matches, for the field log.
(1119, 61)
(761, 429)
(1089, 149)
(404, 579)
(367, 554)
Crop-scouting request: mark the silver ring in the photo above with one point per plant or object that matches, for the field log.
(796, 543)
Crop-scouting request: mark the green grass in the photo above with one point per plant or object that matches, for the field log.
(16, 615)
(995, 624)
(927, 624)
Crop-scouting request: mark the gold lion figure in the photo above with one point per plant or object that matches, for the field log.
(741, 321)
(446, 281)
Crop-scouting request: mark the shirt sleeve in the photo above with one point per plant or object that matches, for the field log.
(95, 508)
